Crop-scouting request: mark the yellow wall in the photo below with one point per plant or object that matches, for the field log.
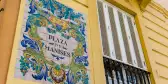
(162, 2)
(2, 5)
(7, 32)
(156, 39)
(95, 58)
(151, 25)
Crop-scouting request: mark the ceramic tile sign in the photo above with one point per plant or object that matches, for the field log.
(52, 48)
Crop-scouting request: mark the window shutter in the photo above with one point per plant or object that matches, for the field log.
(114, 34)
(131, 27)
(103, 29)
(123, 29)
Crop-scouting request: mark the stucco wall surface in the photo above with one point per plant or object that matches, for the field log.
(156, 38)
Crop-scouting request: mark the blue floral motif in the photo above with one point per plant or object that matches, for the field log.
(85, 47)
(49, 5)
(28, 25)
(82, 59)
(24, 65)
(27, 42)
(70, 78)
(33, 64)
(43, 73)
(82, 29)
(32, 7)
(58, 27)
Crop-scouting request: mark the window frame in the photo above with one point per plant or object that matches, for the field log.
(111, 48)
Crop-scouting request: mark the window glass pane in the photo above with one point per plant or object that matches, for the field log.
(114, 34)
(103, 29)
(125, 39)
(139, 61)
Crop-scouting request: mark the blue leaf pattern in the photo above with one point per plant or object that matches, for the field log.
(27, 42)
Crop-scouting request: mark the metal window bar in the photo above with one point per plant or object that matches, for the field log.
(117, 76)
(139, 81)
(112, 70)
(140, 77)
(119, 70)
(132, 79)
(121, 74)
(143, 77)
(147, 76)
(137, 78)
(133, 74)
(106, 74)
(126, 72)
(107, 82)
(108, 71)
